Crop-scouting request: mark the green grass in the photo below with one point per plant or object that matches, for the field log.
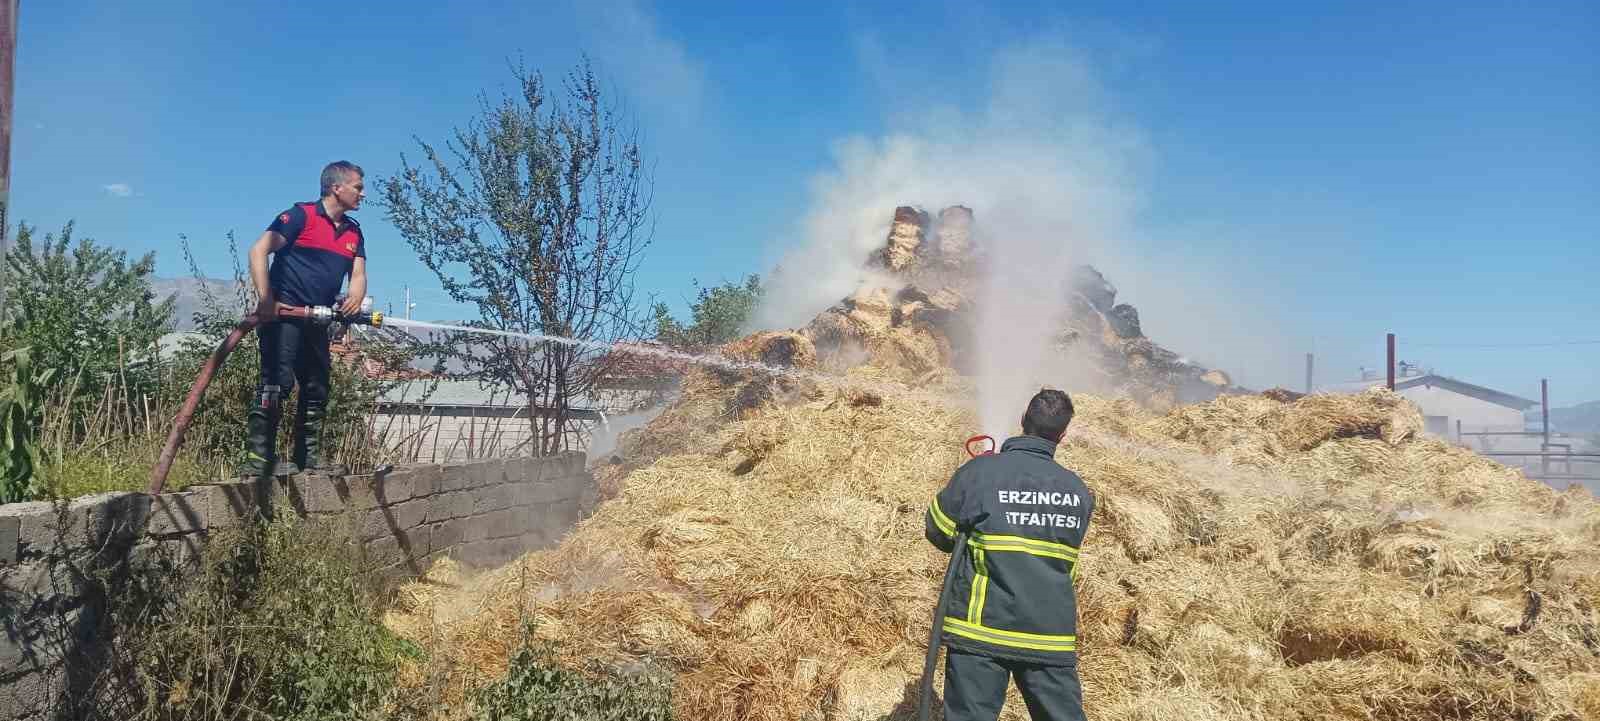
(124, 464)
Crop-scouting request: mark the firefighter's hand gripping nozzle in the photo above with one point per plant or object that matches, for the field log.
(320, 314)
(323, 315)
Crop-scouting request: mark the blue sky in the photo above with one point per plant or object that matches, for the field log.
(1291, 180)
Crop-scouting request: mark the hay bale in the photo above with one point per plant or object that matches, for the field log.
(1376, 413)
(1422, 550)
(1189, 703)
(1344, 615)
(869, 691)
(774, 348)
(1497, 613)
(1584, 694)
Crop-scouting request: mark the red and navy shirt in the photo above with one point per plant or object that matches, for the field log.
(310, 269)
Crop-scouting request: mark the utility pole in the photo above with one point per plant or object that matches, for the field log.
(1544, 405)
(408, 302)
(1309, 362)
(1391, 361)
(8, 76)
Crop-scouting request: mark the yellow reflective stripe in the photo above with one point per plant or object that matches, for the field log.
(940, 520)
(1014, 639)
(980, 586)
(1051, 547)
(1018, 548)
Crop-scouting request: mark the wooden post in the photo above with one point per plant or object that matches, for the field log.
(1309, 362)
(1458, 430)
(1391, 361)
(8, 58)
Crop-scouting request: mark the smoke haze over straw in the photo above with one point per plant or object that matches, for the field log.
(1053, 176)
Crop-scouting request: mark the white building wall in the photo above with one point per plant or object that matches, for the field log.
(1475, 415)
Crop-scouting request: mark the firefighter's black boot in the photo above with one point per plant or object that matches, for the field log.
(261, 431)
(308, 445)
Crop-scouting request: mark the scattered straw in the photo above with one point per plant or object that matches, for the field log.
(1248, 559)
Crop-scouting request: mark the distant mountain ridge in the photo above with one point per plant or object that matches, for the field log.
(1581, 418)
(191, 297)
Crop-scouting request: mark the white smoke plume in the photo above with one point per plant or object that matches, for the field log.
(1053, 176)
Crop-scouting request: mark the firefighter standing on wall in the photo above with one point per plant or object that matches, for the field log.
(1012, 612)
(313, 245)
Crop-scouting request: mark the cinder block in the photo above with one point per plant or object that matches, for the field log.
(10, 531)
(30, 694)
(457, 504)
(496, 524)
(394, 520)
(484, 474)
(38, 527)
(229, 505)
(410, 514)
(311, 494)
(538, 469)
(493, 499)
(455, 477)
(447, 535)
(187, 551)
(177, 513)
(515, 522)
(485, 554)
(425, 479)
(420, 540)
(536, 492)
(354, 492)
(537, 540)
(148, 555)
(394, 487)
(40, 588)
(113, 520)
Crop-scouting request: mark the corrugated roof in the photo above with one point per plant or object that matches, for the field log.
(1429, 380)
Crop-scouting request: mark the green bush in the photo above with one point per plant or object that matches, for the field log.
(279, 625)
(83, 310)
(718, 315)
(536, 688)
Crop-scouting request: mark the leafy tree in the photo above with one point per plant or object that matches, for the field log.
(82, 309)
(718, 315)
(537, 214)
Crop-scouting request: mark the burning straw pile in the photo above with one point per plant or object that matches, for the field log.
(1248, 559)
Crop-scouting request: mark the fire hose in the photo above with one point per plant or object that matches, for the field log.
(318, 314)
(936, 631)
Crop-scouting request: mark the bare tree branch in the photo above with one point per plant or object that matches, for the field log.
(539, 218)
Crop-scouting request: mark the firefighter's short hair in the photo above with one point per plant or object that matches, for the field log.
(1048, 414)
(339, 171)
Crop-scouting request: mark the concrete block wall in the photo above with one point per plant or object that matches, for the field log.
(57, 560)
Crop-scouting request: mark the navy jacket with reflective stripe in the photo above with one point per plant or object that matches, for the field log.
(1013, 595)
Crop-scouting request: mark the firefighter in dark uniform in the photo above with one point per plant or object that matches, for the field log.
(1012, 612)
(313, 245)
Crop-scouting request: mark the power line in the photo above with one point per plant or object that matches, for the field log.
(1492, 346)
